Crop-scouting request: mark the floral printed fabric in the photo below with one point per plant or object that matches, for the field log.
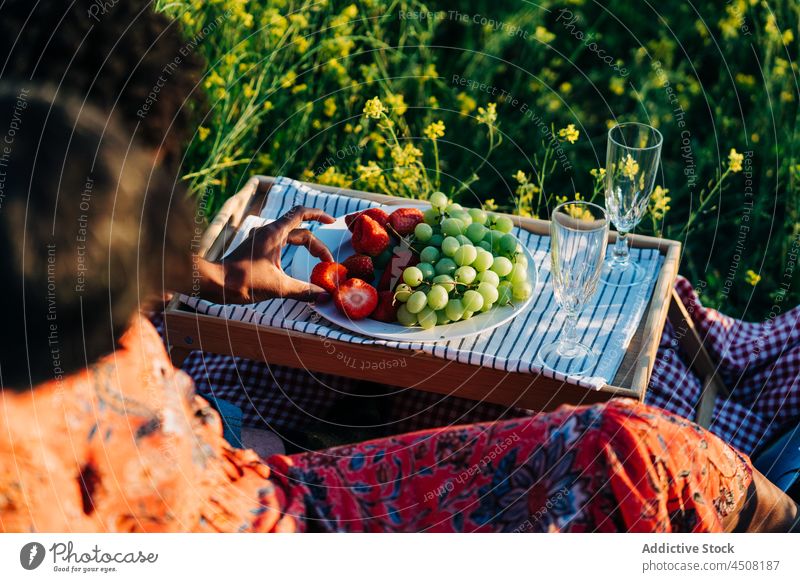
(617, 467)
(127, 446)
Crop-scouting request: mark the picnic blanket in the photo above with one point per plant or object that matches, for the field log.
(607, 323)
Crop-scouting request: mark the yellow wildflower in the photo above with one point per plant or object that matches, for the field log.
(787, 36)
(435, 130)
(490, 204)
(214, 79)
(467, 104)
(489, 115)
(248, 91)
(405, 156)
(630, 167)
(569, 133)
(268, 106)
(543, 35)
(299, 88)
(735, 160)
(751, 277)
(374, 108)
(617, 85)
(203, 133)
(521, 177)
(397, 104)
(659, 203)
(329, 107)
(598, 173)
(289, 80)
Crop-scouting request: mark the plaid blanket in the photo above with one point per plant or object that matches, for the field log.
(759, 362)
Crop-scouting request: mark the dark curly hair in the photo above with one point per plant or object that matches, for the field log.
(88, 226)
(119, 55)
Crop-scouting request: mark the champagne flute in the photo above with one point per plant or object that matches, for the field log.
(578, 241)
(634, 150)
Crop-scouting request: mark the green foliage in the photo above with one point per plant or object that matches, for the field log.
(288, 82)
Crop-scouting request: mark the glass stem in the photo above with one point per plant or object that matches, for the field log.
(621, 253)
(569, 335)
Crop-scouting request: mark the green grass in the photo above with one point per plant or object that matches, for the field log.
(288, 81)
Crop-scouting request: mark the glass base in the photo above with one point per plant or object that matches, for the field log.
(573, 359)
(618, 275)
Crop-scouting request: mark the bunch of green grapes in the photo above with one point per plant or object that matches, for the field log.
(469, 262)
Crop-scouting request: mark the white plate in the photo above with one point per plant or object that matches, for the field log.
(337, 238)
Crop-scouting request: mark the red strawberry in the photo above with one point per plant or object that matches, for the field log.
(369, 237)
(403, 220)
(402, 257)
(376, 214)
(328, 275)
(386, 310)
(356, 299)
(360, 267)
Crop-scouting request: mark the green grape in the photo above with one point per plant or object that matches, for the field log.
(521, 290)
(476, 232)
(403, 292)
(431, 217)
(493, 237)
(453, 207)
(412, 276)
(427, 318)
(450, 246)
(465, 275)
(503, 224)
(439, 200)
(452, 227)
(483, 262)
(478, 215)
(518, 273)
(428, 272)
(473, 300)
(417, 301)
(446, 266)
(382, 259)
(485, 246)
(454, 309)
(437, 297)
(488, 292)
(489, 277)
(508, 244)
(436, 240)
(486, 307)
(441, 317)
(501, 265)
(405, 317)
(467, 315)
(423, 232)
(521, 259)
(463, 240)
(429, 255)
(463, 216)
(504, 293)
(465, 255)
(445, 281)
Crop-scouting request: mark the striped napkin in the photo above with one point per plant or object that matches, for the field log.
(606, 324)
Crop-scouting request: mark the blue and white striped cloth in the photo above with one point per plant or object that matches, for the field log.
(607, 323)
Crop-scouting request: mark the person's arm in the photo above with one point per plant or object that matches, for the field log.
(253, 272)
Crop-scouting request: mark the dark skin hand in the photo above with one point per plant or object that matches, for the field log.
(253, 272)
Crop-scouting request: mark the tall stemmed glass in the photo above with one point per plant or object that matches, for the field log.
(578, 240)
(634, 150)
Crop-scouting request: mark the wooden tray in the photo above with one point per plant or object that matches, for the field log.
(188, 330)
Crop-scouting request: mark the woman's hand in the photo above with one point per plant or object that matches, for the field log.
(253, 272)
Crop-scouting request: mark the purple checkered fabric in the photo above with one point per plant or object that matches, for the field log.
(759, 362)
